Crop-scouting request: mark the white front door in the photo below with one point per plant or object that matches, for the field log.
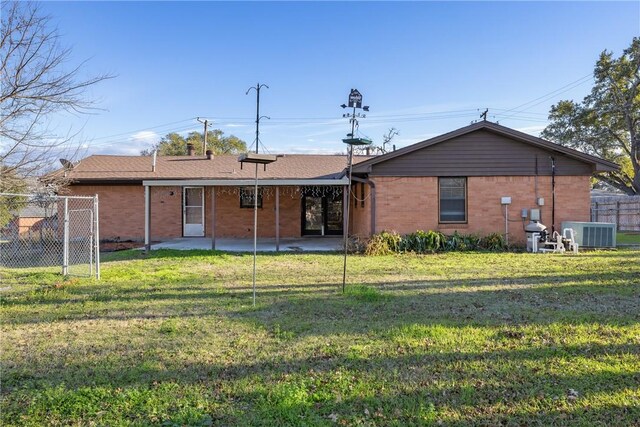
(193, 211)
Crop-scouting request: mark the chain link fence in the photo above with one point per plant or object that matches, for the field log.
(624, 211)
(41, 230)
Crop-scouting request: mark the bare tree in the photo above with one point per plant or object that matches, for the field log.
(35, 83)
(387, 138)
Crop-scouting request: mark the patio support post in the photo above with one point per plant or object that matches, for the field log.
(345, 211)
(277, 219)
(147, 218)
(213, 217)
(96, 235)
(65, 239)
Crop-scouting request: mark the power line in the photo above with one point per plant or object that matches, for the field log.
(142, 130)
(582, 80)
(122, 140)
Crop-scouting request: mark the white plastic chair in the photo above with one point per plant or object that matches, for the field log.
(569, 234)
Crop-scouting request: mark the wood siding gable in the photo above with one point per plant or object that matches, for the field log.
(480, 153)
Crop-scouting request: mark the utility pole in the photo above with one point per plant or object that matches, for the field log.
(204, 146)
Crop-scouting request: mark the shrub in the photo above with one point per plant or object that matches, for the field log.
(383, 243)
(493, 242)
(422, 242)
(463, 242)
(355, 245)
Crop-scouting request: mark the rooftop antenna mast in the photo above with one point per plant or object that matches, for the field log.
(257, 88)
(484, 114)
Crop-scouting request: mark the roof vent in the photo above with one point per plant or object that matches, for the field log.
(189, 149)
(209, 155)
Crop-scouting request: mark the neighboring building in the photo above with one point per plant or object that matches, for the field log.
(29, 220)
(452, 182)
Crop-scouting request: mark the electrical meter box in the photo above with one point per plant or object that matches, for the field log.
(535, 215)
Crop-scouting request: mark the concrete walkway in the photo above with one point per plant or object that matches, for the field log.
(302, 244)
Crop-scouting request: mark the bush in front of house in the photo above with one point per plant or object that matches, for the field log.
(384, 243)
(428, 242)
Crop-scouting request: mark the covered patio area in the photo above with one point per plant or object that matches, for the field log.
(300, 244)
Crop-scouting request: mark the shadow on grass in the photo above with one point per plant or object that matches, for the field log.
(322, 309)
(323, 382)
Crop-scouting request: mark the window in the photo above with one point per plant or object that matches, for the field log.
(246, 197)
(453, 199)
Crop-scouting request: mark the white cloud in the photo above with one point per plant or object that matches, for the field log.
(532, 130)
(146, 136)
(313, 150)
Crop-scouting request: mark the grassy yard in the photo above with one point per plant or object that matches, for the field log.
(628, 238)
(172, 339)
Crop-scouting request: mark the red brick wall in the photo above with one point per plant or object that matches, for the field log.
(166, 213)
(233, 221)
(403, 204)
(121, 209)
(122, 212)
(360, 216)
(408, 204)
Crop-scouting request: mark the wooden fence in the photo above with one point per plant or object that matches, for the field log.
(624, 211)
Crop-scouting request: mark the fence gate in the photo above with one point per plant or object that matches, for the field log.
(40, 230)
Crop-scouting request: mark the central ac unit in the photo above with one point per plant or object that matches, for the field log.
(593, 234)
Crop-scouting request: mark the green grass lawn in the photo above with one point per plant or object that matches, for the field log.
(628, 239)
(172, 339)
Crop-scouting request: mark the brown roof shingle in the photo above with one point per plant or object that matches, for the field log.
(138, 168)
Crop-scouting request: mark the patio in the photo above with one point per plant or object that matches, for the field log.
(302, 244)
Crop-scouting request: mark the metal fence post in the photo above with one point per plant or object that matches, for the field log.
(96, 238)
(65, 239)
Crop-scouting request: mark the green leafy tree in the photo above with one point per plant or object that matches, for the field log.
(607, 121)
(174, 144)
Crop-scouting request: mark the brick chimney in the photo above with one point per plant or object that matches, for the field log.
(189, 149)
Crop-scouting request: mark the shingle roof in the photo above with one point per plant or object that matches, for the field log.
(137, 168)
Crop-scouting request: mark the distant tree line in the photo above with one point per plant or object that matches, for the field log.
(174, 144)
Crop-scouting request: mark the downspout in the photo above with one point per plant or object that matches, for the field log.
(553, 194)
(373, 200)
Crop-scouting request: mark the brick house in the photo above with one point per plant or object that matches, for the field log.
(455, 181)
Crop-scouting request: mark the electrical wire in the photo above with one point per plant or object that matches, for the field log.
(544, 98)
(142, 130)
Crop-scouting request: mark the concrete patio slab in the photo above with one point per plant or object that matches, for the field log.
(302, 244)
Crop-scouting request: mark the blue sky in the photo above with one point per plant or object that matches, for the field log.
(425, 68)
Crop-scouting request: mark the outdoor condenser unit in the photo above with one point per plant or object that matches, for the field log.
(593, 234)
